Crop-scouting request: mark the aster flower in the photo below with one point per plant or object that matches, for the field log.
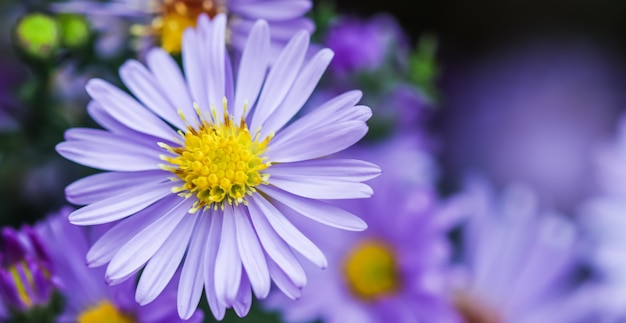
(217, 188)
(26, 277)
(364, 45)
(87, 297)
(396, 270)
(166, 20)
(518, 263)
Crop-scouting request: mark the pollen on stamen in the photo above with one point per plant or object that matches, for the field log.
(218, 162)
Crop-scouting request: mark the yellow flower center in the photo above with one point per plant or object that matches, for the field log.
(104, 312)
(177, 15)
(218, 162)
(371, 270)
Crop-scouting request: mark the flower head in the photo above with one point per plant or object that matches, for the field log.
(518, 264)
(166, 20)
(208, 168)
(88, 299)
(26, 276)
(363, 45)
(393, 272)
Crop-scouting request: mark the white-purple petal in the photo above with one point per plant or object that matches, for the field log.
(287, 231)
(146, 88)
(280, 78)
(227, 262)
(127, 110)
(252, 256)
(191, 282)
(252, 68)
(315, 143)
(101, 186)
(317, 210)
(120, 206)
(346, 169)
(210, 253)
(111, 241)
(276, 248)
(138, 250)
(299, 93)
(163, 264)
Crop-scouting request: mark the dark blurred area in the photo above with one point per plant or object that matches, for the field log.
(476, 26)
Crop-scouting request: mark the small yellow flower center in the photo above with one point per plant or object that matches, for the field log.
(104, 312)
(371, 271)
(218, 162)
(177, 15)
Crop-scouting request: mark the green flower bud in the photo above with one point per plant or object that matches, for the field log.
(74, 30)
(37, 35)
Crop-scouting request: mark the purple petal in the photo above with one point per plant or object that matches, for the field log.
(283, 282)
(104, 150)
(280, 78)
(252, 255)
(105, 185)
(314, 143)
(120, 206)
(210, 249)
(111, 241)
(138, 250)
(276, 248)
(215, 60)
(228, 262)
(346, 169)
(300, 92)
(317, 210)
(146, 88)
(171, 80)
(127, 110)
(243, 300)
(191, 277)
(194, 69)
(252, 68)
(162, 266)
(321, 187)
(287, 231)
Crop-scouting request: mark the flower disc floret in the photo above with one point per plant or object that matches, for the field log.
(219, 162)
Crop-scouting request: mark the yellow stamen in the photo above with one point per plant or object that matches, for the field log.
(371, 271)
(104, 312)
(218, 162)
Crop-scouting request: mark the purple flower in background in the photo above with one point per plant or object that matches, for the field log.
(534, 115)
(518, 264)
(396, 270)
(26, 276)
(217, 189)
(166, 20)
(87, 297)
(603, 220)
(363, 45)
